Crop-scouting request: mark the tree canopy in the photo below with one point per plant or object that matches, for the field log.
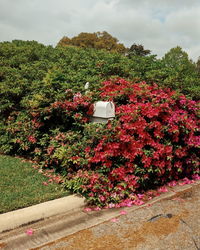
(138, 50)
(97, 40)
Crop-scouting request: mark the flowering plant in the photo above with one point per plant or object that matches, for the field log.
(153, 140)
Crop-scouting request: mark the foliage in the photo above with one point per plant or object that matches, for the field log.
(34, 74)
(97, 40)
(137, 50)
(182, 72)
(29, 133)
(198, 66)
(44, 115)
(154, 139)
(31, 71)
(174, 70)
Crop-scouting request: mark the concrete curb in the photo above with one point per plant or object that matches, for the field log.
(17, 218)
(14, 219)
(72, 221)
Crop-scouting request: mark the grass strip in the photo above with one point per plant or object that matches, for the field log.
(22, 186)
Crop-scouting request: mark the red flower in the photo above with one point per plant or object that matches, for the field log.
(32, 139)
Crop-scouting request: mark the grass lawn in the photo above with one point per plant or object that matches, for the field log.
(21, 185)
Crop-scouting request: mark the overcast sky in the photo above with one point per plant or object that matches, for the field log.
(156, 24)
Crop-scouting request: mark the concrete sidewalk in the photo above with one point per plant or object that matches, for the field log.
(164, 220)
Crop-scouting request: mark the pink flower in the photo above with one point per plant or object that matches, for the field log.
(163, 190)
(172, 183)
(114, 220)
(102, 198)
(45, 183)
(97, 209)
(29, 231)
(196, 177)
(77, 96)
(186, 181)
(111, 205)
(140, 196)
(128, 204)
(138, 202)
(123, 212)
(87, 209)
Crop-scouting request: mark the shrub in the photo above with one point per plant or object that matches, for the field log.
(153, 140)
(31, 133)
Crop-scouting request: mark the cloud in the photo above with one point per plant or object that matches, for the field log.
(185, 23)
(158, 25)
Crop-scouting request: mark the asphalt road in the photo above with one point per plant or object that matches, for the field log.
(168, 224)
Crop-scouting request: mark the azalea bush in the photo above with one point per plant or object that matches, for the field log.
(45, 116)
(153, 140)
(38, 131)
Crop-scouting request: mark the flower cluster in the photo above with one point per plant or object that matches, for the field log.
(38, 132)
(153, 140)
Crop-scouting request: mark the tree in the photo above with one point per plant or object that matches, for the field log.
(65, 41)
(108, 42)
(178, 61)
(84, 40)
(181, 72)
(138, 50)
(98, 40)
(176, 57)
(198, 66)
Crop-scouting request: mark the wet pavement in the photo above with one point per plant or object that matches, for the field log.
(168, 224)
(171, 221)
